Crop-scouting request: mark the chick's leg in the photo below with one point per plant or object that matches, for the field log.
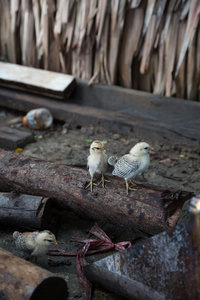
(128, 188)
(91, 184)
(135, 183)
(103, 180)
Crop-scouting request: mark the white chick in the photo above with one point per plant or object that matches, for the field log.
(97, 162)
(34, 243)
(129, 165)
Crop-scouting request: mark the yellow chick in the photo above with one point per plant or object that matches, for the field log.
(97, 162)
(34, 243)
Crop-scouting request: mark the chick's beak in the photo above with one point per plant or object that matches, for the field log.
(55, 242)
(151, 148)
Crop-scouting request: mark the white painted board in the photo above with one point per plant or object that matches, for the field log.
(36, 80)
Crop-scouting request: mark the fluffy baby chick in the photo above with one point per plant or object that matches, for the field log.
(129, 165)
(34, 243)
(97, 162)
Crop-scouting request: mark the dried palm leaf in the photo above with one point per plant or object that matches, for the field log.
(191, 71)
(170, 43)
(180, 78)
(104, 71)
(159, 11)
(135, 3)
(36, 14)
(84, 12)
(130, 41)
(168, 17)
(149, 12)
(185, 10)
(148, 45)
(159, 86)
(89, 42)
(7, 42)
(45, 35)
(27, 34)
(102, 9)
(198, 64)
(115, 34)
(14, 10)
(91, 17)
(192, 23)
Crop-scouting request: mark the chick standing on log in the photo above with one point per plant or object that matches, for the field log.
(97, 162)
(34, 243)
(129, 165)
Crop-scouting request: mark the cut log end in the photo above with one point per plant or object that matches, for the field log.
(23, 280)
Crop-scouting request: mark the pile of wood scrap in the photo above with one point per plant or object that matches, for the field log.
(147, 211)
(153, 45)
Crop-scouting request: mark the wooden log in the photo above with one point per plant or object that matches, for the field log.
(142, 209)
(20, 280)
(25, 210)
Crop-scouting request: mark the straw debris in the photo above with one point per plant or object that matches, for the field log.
(150, 45)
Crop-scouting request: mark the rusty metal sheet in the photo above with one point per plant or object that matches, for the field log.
(166, 266)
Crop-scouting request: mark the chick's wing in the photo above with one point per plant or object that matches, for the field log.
(125, 165)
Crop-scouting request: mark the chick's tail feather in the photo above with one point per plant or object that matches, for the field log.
(112, 160)
(16, 234)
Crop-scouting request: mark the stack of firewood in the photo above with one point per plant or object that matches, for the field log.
(150, 45)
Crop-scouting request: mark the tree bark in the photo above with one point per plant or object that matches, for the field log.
(20, 280)
(25, 210)
(142, 209)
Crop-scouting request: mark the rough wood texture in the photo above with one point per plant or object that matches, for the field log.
(142, 209)
(12, 138)
(36, 80)
(21, 280)
(126, 107)
(25, 210)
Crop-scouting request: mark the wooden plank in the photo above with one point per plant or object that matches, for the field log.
(11, 138)
(36, 80)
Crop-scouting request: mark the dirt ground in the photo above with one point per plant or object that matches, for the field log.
(175, 163)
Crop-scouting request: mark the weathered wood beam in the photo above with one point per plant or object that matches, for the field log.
(143, 209)
(12, 138)
(25, 210)
(114, 106)
(36, 80)
(20, 280)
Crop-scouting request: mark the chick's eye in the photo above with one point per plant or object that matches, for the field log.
(49, 240)
(97, 148)
(146, 148)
